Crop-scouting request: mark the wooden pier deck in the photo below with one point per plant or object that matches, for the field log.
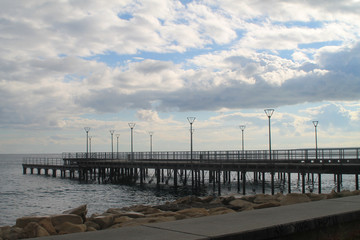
(203, 167)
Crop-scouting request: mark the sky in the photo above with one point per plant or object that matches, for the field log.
(70, 64)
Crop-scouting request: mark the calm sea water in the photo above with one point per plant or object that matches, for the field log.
(24, 195)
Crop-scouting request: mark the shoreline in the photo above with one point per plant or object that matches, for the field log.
(76, 220)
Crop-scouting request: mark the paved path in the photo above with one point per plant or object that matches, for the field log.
(255, 224)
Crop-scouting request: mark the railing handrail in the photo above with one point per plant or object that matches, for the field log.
(305, 155)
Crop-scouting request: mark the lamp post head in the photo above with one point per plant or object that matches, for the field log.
(131, 125)
(112, 131)
(315, 123)
(242, 127)
(151, 133)
(87, 129)
(269, 112)
(118, 135)
(191, 119)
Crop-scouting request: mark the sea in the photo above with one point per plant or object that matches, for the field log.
(32, 194)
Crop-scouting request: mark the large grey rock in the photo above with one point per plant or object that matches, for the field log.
(61, 218)
(68, 227)
(293, 198)
(80, 211)
(34, 230)
(23, 221)
(194, 212)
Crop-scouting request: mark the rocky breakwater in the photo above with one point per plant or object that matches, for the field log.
(76, 220)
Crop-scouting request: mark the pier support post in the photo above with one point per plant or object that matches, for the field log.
(356, 181)
(319, 184)
(24, 170)
(219, 182)
(303, 182)
(338, 182)
(238, 181)
(175, 178)
(289, 182)
(272, 184)
(263, 182)
(244, 183)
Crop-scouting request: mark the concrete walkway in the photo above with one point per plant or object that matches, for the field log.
(255, 224)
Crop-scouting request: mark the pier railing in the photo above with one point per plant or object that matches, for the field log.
(296, 155)
(43, 161)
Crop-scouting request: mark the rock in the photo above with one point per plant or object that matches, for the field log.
(144, 209)
(207, 199)
(80, 211)
(142, 221)
(216, 201)
(227, 200)
(48, 226)
(333, 194)
(346, 193)
(11, 233)
(34, 230)
(129, 214)
(104, 221)
(220, 210)
(90, 229)
(316, 197)
(293, 198)
(263, 198)
(187, 200)
(249, 198)
(68, 227)
(92, 225)
(266, 205)
(176, 215)
(23, 221)
(239, 204)
(194, 212)
(122, 219)
(71, 218)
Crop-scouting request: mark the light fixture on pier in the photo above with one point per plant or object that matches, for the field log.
(112, 141)
(151, 135)
(269, 112)
(316, 145)
(191, 121)
(87, 129)
(242, 128)
(132, 125)
(117, 145)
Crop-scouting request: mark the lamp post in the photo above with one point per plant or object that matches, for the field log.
(316, 146)
(132, 125)
(90, 137)
(242, 127)
(191, 121)
(269, 112)
(112, 145)
(117, 145)
(87, 129)
(151, 134)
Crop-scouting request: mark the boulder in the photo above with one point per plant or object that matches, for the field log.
(264, 198)
(80, 211)
(194, 212)
(187, 200)
(61, 218)
(90, 229)
(48, 226)
(266, 205)
(91, 224)
(227, 200)
(207, 199)
(121, 219)
(293, 198)
(176, 215)
(220, 210)
(316, 197)
(34, 230)
(144, 209)
(8, 232)
(68, 227)
(131, 215)
(104, 221)
(23, 221)
(142, 221)
(239, 204)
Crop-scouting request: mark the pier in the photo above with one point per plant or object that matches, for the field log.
(200, 168)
